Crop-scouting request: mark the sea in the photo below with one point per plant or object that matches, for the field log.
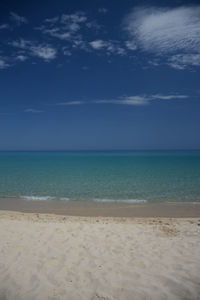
(101, 176)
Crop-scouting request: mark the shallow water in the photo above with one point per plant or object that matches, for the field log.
(134, 177)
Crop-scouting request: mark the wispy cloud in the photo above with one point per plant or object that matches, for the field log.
(131, 45)
(135, 100)
(64, 27)
(6, 114)
(18, 19)
(69, 103)
(51, 20)
(98, 44)
(102, 10)
(33, 111)
(140, 100)
(74, 28)
(4, 26)
(169, 97)
(3, 63)
(170, 35)
(66, 51)
(61, 35)
(166, 31)
(129, 100)
(21, 57)
(44, 51)
(111, 47)
(182, 61)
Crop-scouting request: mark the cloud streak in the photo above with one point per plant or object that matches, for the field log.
(33, 111)
(71, 103)
(136, 100)
(19, 20)
(4, 26)
(103, 10)
(3, 63)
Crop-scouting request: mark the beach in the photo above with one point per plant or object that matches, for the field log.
(49, 256)
(100, 225)
(100, 150)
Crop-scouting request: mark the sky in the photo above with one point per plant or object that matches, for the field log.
(96, 75)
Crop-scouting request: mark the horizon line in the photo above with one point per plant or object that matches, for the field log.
(99, 150)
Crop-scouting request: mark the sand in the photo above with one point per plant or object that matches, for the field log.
(96, 209)
(60, 257)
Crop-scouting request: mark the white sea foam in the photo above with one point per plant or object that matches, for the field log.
(64, 199)
(102, 200)
(41, 198)
(120, 200)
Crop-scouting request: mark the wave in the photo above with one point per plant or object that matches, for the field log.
(43, 198)
(64, 199)
(136, 201)
(100, 200)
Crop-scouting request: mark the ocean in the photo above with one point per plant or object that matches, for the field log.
(104, 176)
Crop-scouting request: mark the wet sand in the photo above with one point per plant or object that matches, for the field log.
(95, 209)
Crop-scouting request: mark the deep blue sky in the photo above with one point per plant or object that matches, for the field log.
(99, 75)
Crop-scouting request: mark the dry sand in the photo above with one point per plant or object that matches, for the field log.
(59, 257)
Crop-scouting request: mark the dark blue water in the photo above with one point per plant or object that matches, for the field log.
(153, 176)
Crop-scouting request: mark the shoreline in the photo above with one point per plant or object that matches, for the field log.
(97, 209)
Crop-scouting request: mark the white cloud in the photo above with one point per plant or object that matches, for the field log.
(21, 57)
(22, 44)
(131, 45)
(169, 97)
(93, 25)
(32, 110)
(146, 99)
(75, 18)
(18, 19)
(4, 26)
(135, 100)
(52, 20)
(3, 63)
(85, 68)
(111, 47)
(182, 61)
(71, 103)
(78, 43)
(6, 114)
(66, 51)
(63, 27)
(70, 28)
(44, 51)
(166, 31)
(59, 33)
(98, 44)
(102, 10)
(130, 100)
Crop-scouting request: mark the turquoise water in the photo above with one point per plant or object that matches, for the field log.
(101, 176)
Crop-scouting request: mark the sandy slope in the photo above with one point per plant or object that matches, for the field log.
(56, 257)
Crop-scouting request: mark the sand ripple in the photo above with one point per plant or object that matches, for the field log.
(55, 257)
